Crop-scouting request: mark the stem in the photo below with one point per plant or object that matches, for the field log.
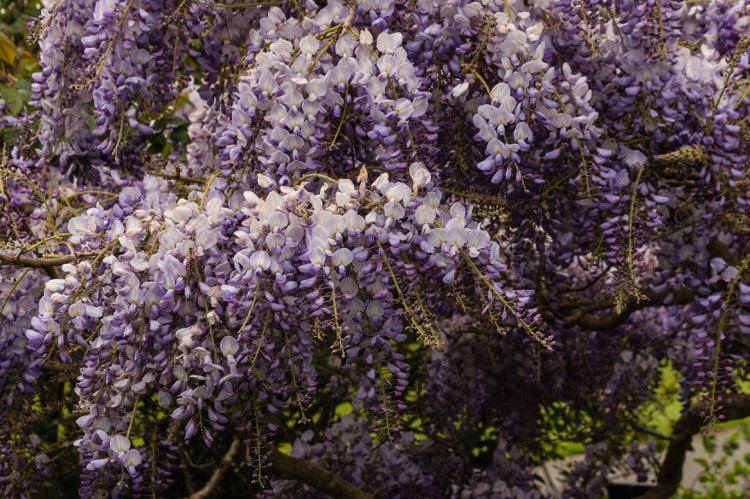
(719, 333)
(502, 299)
(631, 217)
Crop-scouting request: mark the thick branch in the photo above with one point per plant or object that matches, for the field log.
(583, 314)
(692, 420)
(310, 473)
(219, 472)
(39, 263)
(599, 322)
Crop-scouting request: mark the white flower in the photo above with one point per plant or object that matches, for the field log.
(354, 221)
(342, 257)
(478, 239)
(374, 309)
(55, 285)
(348, 286)
(404, 109)
(460, 89)
(104, 8)
(132, 459)
(278, 219)
(365, 37)
(309, 45)
(260, 260)
(389, 42)
(282, 48)
(432, 199)
(458, 210)
(394, 210)
(399, 192)
(317, 257)
(229, 346)
(346, 186)
(185, 335)
(456, 237)
(425, 214)
(119, 444)
(419, 174)
(634, 157)
(523, 133)
(387, 64)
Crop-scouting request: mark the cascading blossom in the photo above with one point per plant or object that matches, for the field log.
(410, 244)
(222, 294)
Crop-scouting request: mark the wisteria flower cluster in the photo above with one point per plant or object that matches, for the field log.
(371, 246)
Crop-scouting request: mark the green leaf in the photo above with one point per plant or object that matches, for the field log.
(709, 443)
(25, 95)
(30, 67)
(168, 148)
(180, 134)
(8, 50)
(13, 99)
(182, 100)
(9, 135)
(157, 143)
(730, 445)
(174, 121)
(22, 84)
(703, 462)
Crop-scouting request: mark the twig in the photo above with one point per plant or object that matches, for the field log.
(648, 431)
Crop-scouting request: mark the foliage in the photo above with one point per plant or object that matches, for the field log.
(415, 244)
(17, 64)
(724, 474)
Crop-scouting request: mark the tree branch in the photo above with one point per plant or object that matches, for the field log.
(316, 476)
(289, 468)
(219, 472)
(647, 431)
(39, 263)
(583, 314)
(692, 420)
(599, 322)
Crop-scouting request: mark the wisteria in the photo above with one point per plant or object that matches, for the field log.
(369, 247)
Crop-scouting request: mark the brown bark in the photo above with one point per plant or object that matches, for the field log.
(218, 474)
(313, 474)
(289, 468)
(581, 316)
(692, 420)
(40, 263)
